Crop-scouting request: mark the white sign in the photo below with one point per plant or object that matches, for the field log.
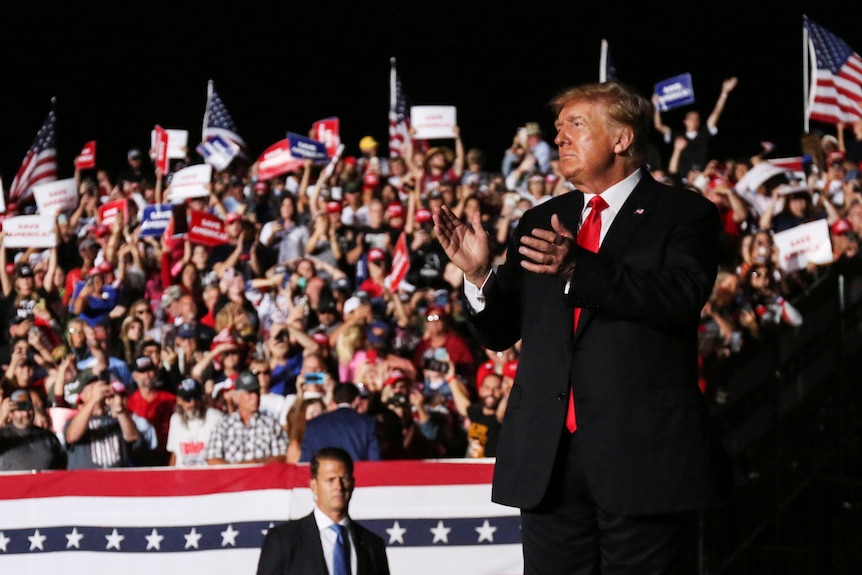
(30, 231)
(433, 122)
(55, 197)
(191, 182)
(2, 198)
(178, 140)
(804, 244)
(757, 175)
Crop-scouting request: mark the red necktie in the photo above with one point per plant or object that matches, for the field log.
(588, 238)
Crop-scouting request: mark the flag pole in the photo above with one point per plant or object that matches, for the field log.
(392, 81)
(603, 62)
(806, 104)
(207, 110)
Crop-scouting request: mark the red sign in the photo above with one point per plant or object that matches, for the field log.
(109, 212)
(206, 229)
(327, 131)
(277, 160)
(86, 160)
(400, 263)
(162, 162)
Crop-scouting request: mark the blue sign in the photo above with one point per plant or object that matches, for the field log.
(675, 92)
(304, 147)
(155, 220)
(218, 152)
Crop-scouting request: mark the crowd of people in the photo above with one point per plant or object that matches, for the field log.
(120, 349)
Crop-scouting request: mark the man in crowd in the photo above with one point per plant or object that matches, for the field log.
(23, 445)
(327, 541)
(246, 435)
(191, 425)
(343, 427)
(153, 404)
(102, 431)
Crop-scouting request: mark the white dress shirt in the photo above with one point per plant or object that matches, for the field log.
(328, 538)
(615, 196)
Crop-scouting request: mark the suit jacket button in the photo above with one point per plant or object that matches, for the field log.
(561, 396)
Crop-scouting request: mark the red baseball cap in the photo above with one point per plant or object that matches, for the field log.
(841, 226)
(376, 255)
(395, 210)
(423, 216)
(333, 207)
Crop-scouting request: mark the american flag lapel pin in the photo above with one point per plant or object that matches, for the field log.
(639, 212)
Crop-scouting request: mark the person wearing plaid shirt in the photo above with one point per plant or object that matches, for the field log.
(246, 436)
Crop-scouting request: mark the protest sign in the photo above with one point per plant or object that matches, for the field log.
(804, 244)
(178, 140)
(160, 145)
(30, 231)
(57, 196)
(111, 211)
(277, 160)
(218, 152)
(675, 92)
(155, 219)
(86, 160)
(307, 148)
(206, 229)
(191, 182)
(433, 122)
(328, 132)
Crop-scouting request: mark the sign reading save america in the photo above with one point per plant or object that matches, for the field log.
(57, 196)
(30, 231)
(206, 229)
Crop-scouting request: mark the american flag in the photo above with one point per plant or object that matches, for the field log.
(399, 122)
(836, 94)
(607, 70)
(217, 120)
(435, 517)
(40, 163)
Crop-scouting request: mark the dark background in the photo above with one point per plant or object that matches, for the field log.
(117, 69)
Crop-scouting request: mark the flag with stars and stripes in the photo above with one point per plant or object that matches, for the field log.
(435, 517)
(836, 84)
(399, 120)
(40, 164)
(218, 122)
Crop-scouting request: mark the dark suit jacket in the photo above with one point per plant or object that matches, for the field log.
(294, 548)
(354, 432)
(643, 426)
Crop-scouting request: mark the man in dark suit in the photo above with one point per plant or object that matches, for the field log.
(343, 427)
(327, 541)
(605, 446)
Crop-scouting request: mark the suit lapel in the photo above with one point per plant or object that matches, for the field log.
(626, 223)
(311, 533)
(361, 549)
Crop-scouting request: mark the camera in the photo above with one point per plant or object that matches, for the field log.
(315, 378)
(431, 364)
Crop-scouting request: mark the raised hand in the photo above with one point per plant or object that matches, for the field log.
(466, 245)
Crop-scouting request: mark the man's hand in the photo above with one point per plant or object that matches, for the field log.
(549, 251)
(466, 246)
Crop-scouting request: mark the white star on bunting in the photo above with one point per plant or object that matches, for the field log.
(228, 536)
(4, 541)
(36, 541)
(154, 540)
(441, 532)
(114, 540)
(73, 539)
(192, 538)
(396, 534)
(486, 532)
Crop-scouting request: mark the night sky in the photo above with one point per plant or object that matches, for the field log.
(117, 69)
